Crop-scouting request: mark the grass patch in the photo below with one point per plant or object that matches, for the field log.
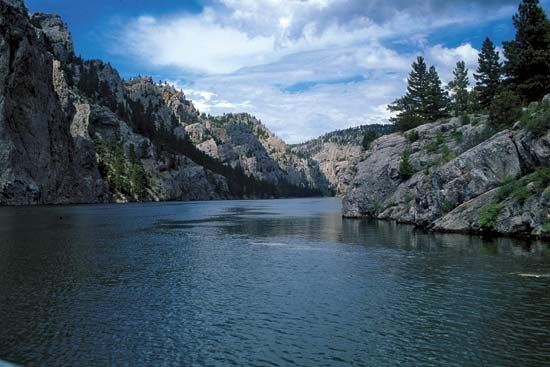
(488, 214)
(536, 117)
(446, 154)
(433, 145)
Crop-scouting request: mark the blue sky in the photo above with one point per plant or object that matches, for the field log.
(305, 67)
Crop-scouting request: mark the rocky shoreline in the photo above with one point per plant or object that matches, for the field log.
(465, 178)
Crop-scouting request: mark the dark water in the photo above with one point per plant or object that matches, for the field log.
(262, 283)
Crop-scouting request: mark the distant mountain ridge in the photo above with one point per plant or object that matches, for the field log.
(349, 136)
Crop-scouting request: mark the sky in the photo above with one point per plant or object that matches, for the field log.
(304, 67)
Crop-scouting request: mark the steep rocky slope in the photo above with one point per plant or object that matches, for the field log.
(40, 161)
(241, 140)
(337, 153)
(463, 177)
(73, 131)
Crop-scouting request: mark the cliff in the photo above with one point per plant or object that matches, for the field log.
(73, 131)
(461, 176)
(337, 153)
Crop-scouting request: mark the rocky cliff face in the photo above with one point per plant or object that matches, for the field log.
(73, 131)
(41, 163)
(241, 140)
(463, 177)
(337, 153)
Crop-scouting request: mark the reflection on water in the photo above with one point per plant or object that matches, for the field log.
(282, 282)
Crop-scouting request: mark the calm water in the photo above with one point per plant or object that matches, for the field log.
(262, 283)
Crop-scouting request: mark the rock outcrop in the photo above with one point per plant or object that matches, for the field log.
(465, 178)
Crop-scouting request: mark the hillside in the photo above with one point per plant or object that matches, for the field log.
(73, 131)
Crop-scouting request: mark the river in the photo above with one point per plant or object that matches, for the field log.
(262, 283)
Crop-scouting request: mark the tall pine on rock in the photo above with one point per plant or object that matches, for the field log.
(437, 101)
(528, 55)
(488, 74)
(410, 108)
(459, 89)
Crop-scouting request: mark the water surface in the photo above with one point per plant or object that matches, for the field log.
(262, 283)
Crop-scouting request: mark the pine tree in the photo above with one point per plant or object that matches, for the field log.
(488, 73)
(459, 89)
(369, 136)
(528, 56)
(406, 170)
(410, 108)
(437, 100)
(425, 100)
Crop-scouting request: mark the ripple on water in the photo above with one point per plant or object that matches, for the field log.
(264, 283)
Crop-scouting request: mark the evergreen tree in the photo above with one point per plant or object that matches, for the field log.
(505, 109)
(437, 100)
(459, 89)
(528, 56)
(474, 106)
(406, 170)
(369, 137)
(411, 108)
(488, 73)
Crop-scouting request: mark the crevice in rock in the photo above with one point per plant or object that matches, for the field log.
(523, 164)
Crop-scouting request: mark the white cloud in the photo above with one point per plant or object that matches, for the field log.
(196, 43)
(445, 58)
(304, 67)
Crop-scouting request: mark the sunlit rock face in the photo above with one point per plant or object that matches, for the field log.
(457, 172)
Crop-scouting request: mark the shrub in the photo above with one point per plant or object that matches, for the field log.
(446, 206)
(505, 109)
(521, 193)
(369, 136)
(475, 139)
(465, 120)
(458, 136)
(434, 144)
(542, 176)
(413, 136)
(405, 169)
(506, 188)
(488, 215)
(446, 154)
(536, 117)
